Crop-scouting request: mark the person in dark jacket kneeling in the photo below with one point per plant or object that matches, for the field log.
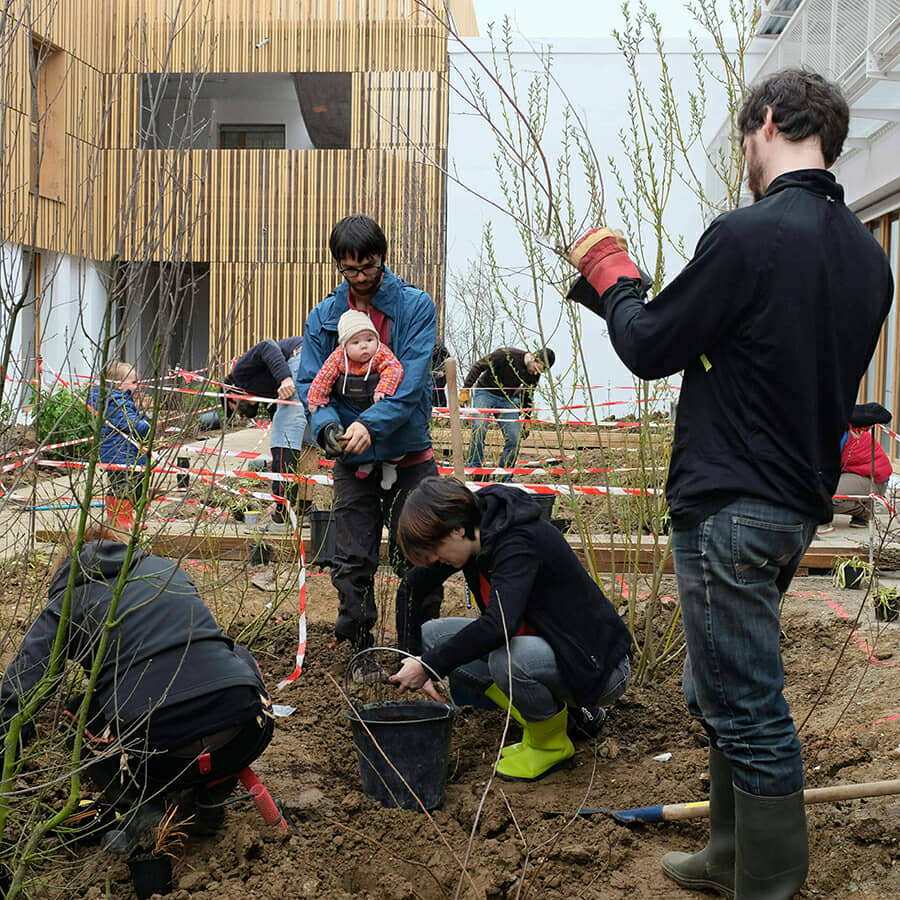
(177, 706)
(547, 638)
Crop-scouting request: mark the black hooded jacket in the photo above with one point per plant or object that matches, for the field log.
(535, 577)
(263, 367)
(165, 649)
(774, 322)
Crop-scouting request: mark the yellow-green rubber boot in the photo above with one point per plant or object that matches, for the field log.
(495, 695)
(544, 745)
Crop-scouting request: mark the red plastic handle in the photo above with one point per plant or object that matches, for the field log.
(262, 798)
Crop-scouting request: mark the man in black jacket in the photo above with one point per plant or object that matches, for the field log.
(177, 704)
(503, 380)
(269, 369)
(774, 322)
(547, 638)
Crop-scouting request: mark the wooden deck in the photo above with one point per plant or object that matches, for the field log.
(208, 544)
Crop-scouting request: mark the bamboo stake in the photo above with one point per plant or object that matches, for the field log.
(459, 471)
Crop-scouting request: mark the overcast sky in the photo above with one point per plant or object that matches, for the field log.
(576, 18)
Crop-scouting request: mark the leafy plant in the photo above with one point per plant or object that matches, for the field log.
(170, 836)
(887, 603)
(849, 572)
(60, 416)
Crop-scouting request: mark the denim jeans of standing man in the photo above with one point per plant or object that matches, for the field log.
(732, 570)
(509, 425)
(537, 688)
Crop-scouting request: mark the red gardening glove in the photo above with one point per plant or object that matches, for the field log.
(602, 257)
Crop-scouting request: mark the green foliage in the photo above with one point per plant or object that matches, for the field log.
(60, 416)
(7, 416)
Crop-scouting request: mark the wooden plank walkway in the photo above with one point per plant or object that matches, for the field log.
(209, 544)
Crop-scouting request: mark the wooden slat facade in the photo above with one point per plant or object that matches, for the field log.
(259, 219)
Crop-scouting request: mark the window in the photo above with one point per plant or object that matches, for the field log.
(48, 121)
(251, 137)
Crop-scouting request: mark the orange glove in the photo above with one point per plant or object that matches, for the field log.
(464, 397)
(602, 257)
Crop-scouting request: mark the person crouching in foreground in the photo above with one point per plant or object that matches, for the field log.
(177, 704)
(547, 638)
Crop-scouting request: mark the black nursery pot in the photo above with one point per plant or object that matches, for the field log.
(854, 577)
(889, 611)
(150, 875)
(260, 555)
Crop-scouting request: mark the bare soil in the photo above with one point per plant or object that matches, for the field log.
(496, 839)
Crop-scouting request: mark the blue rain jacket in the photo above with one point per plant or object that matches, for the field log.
(398, 424)
(121, 416)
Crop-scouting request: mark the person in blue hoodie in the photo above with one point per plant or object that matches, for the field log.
(124, 429)
(359, 436)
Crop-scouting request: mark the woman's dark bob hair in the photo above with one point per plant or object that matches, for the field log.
(432, 512)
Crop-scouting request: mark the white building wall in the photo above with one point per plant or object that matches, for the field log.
(11, 332)
(279, 106)
(594, 76)
(72, 308)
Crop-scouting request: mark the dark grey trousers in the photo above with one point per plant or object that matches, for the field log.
(362, 508)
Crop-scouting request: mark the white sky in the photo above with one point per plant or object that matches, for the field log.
(576, 18)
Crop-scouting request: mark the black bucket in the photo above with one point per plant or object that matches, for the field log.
(322, 537)
(546, 503)
(415, 736)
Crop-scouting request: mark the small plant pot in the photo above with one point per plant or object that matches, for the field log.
(182, 479)
(251, 518)
(546, 503)
(150, 875)
(887, 610)
(853, 577)
(260, 555)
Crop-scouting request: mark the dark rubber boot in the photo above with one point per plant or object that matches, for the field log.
(771, 846)
(712, 868)
(136, 828)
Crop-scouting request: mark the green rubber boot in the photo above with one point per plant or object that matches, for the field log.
(494, 694)
(712, 868)
(771, 846)
(544, 745)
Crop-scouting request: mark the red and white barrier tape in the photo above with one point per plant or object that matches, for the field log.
(301, 624)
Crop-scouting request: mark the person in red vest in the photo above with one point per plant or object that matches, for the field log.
(547, 640)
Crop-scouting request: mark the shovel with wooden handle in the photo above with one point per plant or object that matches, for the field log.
(698, 809)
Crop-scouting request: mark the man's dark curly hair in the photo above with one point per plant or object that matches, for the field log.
(803, 104)
(357, 237)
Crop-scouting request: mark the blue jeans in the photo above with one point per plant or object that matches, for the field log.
(527, 674)
(509, 425)
(732, 570)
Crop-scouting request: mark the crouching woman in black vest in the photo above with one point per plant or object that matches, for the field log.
(547, 638)
(177, 706)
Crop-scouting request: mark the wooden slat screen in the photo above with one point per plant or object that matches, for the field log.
(259, 218)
